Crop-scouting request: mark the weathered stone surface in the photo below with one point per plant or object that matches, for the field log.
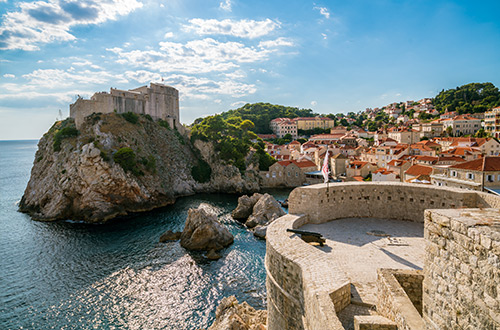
(81, 181)
(265, 211)
(212, 255)
(233, 316)
(202, 231)
(260, 231)
(170, 236)
(245, 206)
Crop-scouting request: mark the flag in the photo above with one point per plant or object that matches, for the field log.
(324, 169)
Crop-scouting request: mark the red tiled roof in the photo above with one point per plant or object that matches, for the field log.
(417, 170)
(358, 178)
(313, 118)
(305, 163)
(397, 162)
(487, 163)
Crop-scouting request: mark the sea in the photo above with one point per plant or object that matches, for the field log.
(70, 275)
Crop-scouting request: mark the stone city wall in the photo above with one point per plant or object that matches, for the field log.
(400, 297)
(301, 283)
(462, 269)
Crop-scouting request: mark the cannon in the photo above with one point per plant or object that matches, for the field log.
(309, 236)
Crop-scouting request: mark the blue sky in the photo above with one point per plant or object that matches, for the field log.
(330, 56)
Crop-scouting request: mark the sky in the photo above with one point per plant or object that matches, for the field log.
(328, 56)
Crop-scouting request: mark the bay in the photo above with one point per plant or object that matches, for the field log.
(67, 275)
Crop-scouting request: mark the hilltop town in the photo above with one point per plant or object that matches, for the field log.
(408, 141)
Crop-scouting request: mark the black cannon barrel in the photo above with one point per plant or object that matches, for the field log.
(303, 232)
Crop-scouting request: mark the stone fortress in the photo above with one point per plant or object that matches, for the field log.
(446, 277)
(159, 101)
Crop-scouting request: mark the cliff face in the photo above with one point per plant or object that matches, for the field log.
(111, 167)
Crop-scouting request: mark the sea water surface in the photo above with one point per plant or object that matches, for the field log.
(67, 275)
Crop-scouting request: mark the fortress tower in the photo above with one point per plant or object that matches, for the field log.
(159, 101)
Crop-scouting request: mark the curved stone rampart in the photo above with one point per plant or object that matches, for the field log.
(304, 288)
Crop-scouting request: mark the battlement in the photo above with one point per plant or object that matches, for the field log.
(159, 101)
(309, 287)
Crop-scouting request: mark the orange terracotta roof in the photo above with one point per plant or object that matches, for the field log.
(358, 178)
(481, 164)
(305, 163)
(397, 162)
(417, 170)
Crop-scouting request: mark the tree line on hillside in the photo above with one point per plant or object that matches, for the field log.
(470, 98)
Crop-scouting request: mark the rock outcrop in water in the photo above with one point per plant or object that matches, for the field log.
(234, 316)
(258, 212)
(112, 166)
(202, 231)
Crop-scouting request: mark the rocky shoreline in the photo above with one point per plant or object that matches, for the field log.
(77, 174)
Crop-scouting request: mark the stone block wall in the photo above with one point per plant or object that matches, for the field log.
(461, 288)
(400, 302)
(386, 200)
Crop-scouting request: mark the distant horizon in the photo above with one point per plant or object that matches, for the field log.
(331, 56)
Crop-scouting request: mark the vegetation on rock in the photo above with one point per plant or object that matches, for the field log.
(67, 130)
(231, 138)
(127, 159)
(131, 117)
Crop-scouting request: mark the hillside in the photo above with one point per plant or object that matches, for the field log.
(470, 98)
(117, 164)
(262, 113)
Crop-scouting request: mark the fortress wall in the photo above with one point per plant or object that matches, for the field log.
(305, 290)
(158, 101)
(298, 299)
(461, 289)
(387, 200)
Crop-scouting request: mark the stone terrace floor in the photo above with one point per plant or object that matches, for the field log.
(360, 254)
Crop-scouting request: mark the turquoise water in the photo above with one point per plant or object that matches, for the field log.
(68, 275)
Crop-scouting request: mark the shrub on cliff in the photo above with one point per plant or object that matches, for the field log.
(201, 172)
(231, 138)
(127, 159)
(63, 133)
(131, 117)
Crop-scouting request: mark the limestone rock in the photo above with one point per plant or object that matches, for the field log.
(260, 231)
(213, 255)
(170, 236)
(234, 316)
(80, 179)
(202, 231)
(245, 206)
(265, 211)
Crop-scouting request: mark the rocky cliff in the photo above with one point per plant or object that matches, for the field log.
(116, 164)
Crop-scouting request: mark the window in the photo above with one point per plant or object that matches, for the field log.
(470, 176)
(296, 174)
(490, 178)
(274, 174)
(454, 173)
(288, 173)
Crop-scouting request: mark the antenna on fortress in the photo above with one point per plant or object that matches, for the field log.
(60, 116)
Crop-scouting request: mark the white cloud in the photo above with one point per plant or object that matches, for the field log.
(195, 87)
(314, 103)
(280, 42)
(238, 104)
(218, 101)
(58, 79)
(193, 57)
(323, 11)
(225, 5)
(8, 75)
(168, 35)
(324, 36)
(242, 29)
(42, 22)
